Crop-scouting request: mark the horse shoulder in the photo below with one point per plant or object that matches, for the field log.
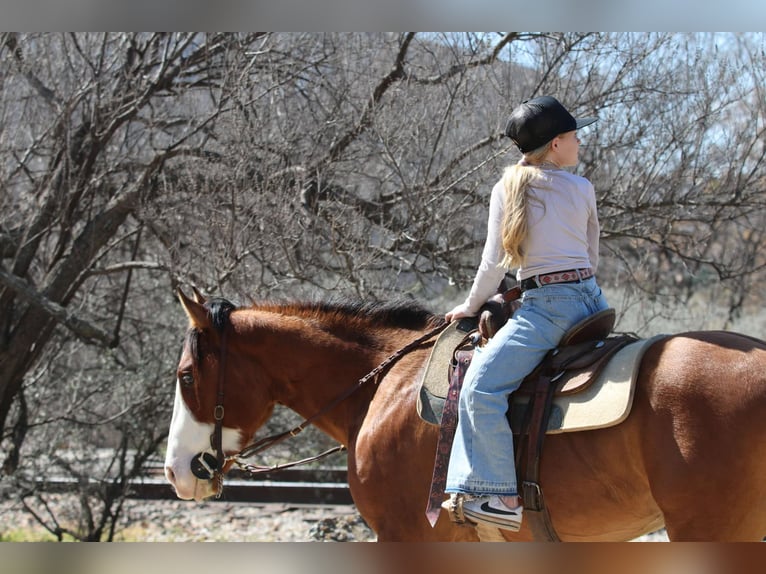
(393, 456)
(390, 428)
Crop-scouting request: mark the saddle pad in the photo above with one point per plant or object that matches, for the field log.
(606, 402)
(435, 382)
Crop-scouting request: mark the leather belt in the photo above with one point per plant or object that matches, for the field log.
(569, 276)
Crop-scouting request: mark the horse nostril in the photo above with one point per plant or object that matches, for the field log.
(170, 475)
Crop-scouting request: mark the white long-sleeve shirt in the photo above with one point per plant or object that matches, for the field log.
(563, 233)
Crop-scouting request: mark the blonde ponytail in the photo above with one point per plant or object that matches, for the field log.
(516, 180)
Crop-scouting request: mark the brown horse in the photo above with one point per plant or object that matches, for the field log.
(691, 455)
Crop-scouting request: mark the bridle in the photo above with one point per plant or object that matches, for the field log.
(205, 465)
(208, 466)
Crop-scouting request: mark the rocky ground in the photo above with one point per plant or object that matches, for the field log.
(177, 521)
(180, 521)
(247, 522)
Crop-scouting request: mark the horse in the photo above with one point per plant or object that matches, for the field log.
(690, 456)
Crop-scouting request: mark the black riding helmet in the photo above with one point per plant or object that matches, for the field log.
(537, 121)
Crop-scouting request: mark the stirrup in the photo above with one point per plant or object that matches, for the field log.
(454, 506)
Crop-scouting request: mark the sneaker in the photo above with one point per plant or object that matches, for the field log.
(491, 510)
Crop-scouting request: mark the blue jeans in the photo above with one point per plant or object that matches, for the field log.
(482, 460)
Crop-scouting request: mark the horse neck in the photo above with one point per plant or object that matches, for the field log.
(309, 365)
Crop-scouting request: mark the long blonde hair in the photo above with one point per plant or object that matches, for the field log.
(516, 179)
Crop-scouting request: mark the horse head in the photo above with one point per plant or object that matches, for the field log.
(219, 402)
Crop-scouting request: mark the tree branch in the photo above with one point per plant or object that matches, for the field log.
(127, 266)
(465, 66)
(83, 329)
(396, 74)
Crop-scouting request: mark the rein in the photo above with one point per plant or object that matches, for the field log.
(206, 466)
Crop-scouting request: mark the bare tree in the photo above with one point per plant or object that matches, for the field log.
(308, 165)
(90, 122)
(681, 174)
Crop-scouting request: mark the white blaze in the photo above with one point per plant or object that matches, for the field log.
(186, 438)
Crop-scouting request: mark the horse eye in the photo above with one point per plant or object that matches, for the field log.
(187, 380)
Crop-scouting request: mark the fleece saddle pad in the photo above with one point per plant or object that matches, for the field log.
(435, 382)
(606, 402)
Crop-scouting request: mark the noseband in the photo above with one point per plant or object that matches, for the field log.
(208, 466)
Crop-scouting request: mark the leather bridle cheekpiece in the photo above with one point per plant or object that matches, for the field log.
(205, 465)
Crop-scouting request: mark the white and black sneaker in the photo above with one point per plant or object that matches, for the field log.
(491, 510)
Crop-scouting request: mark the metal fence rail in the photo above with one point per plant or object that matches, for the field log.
(297, 486)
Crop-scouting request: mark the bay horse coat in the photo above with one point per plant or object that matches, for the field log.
(690, 456)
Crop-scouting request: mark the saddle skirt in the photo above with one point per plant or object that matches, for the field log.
(596, 393)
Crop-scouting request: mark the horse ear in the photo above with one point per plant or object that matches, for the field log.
(198, 315)
(198, 297)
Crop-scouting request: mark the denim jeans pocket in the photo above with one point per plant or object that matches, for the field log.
(566, 304)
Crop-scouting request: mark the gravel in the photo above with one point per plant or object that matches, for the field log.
(183, 521)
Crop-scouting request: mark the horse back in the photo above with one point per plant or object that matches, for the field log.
(720, 366)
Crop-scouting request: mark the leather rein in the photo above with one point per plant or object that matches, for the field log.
(207, 466)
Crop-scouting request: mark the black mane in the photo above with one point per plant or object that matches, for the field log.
(405, 314)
